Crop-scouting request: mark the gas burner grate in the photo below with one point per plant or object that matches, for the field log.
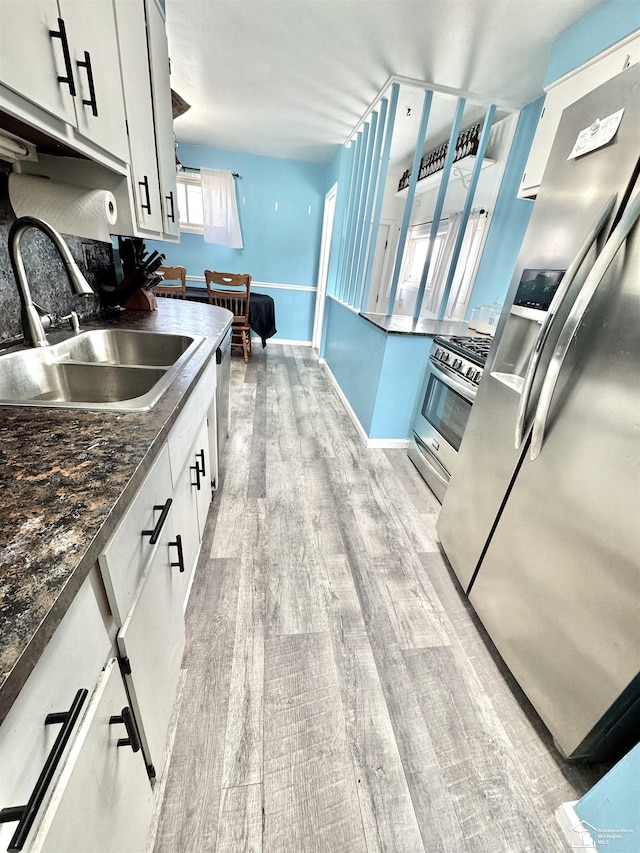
(472, 347)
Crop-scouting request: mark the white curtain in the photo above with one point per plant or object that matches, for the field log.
(220, 209)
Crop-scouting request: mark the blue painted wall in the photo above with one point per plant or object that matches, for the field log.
(354, 351)
(614, 804)
(604, 26)
(379, 374)
(280, 246)
(510, 218)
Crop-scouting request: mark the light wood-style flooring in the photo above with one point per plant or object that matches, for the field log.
(339, 693)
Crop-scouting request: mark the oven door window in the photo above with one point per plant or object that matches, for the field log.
(446, 410)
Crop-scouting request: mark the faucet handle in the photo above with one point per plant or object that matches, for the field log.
(73, 319)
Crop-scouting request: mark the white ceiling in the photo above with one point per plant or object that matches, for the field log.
(292, 78)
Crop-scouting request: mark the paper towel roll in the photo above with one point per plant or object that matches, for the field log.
(71, 210)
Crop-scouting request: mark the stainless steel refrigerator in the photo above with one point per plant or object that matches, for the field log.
(541, 520)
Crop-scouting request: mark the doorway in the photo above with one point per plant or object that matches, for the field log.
(323, 266)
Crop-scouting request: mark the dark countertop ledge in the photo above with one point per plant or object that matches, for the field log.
(67, 477)
(397, 324)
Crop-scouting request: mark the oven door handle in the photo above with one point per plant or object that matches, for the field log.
(556, 302)
(449, 378)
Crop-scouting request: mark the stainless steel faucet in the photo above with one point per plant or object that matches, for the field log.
(33, 324)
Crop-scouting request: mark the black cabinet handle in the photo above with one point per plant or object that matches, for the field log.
(196, 468)
(157, 530)
(145, 183)
(172, 215)
(25, 815)
(200, 464)
(92, 92)
(133, 739)
(61, 33)
(178, 544)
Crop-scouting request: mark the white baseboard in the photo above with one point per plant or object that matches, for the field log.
(576, 831)
(374, 443)
(283, 341)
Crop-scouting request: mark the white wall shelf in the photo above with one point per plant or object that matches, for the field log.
(460, 171)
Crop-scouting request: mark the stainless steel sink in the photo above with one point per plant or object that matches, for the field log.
(124, 346)
(108, 370)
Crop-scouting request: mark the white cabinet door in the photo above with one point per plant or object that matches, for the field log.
(185, 509)
(161, 87)
(99, 102)
(152, 641)
(62, 56)
(131, 547)
(203, 477)
(559, 96)
(134, 57)
(33, 47)
(72, 661)
(103, 800)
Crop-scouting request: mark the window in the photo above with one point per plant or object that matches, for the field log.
(441, 259)
(190, 203)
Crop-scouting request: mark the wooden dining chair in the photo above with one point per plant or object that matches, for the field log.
(231, 291)
(175, 291)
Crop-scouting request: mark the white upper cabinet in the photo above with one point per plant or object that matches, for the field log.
(59, 72)
(566, 91)
(35, 60)
(161, 88)
(145, 75)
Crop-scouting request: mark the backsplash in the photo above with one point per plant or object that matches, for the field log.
(45, 271)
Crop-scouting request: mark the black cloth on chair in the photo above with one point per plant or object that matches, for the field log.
(262, 316)
(262, 311)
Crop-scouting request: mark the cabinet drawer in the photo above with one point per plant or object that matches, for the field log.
(152, 641)
(71, 661)
(128, 552)
(184, 431)
(103, 801)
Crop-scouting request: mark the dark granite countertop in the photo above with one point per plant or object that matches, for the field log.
(397, 324)
(66, 477)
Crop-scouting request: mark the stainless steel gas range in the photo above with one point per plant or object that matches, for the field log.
(449, 388)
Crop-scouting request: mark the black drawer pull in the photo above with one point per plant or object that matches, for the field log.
(92, 92)
(25, 815)
(145, 183)
(157, 530)
(172, 215)
(178, 544)
(61, 33)
(126, 717)
(196, 468)
(200, 453)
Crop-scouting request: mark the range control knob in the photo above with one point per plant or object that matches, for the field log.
(470, 372)
(457, 363)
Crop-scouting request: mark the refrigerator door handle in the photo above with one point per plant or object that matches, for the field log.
(556, 302)
(597, 273)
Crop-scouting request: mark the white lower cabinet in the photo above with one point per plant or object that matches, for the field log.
(103, 801)
(41, 725)
(151, 645)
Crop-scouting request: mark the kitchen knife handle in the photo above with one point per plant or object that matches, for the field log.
(556, 302)
(61, 33)
(594, 279)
